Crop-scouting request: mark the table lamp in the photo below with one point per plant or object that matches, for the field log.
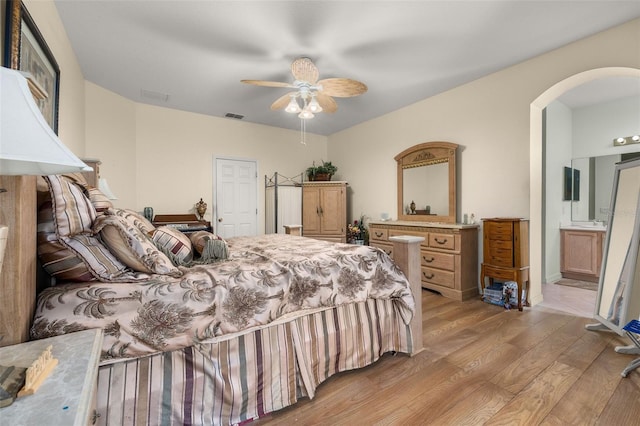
(28, 146)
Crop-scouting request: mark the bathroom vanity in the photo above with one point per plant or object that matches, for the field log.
(581, 252)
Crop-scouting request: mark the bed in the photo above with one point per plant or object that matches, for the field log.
(198, 330)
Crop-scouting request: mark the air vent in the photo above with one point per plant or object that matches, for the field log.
(156, 96)
(235, 116)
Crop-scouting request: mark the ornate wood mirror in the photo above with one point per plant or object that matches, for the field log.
(427, 182)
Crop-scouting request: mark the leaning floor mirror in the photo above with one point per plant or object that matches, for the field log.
(618, 299)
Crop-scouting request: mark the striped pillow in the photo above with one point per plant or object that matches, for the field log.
(59, 262)
(132, 246)
(100, 201)
(173, 243)
(209, 246)
(73, 212)
(102, 264)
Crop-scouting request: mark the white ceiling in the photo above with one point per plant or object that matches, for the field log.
(196, 52)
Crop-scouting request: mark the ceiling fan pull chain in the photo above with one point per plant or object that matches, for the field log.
(303, 129)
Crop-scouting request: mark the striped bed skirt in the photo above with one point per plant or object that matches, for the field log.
(249, 375)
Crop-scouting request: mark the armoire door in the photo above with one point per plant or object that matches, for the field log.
(332, 220)
(311, 210)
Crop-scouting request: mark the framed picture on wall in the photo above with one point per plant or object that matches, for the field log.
(571, 187)
(27, 51)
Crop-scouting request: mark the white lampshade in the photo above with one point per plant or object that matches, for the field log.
(103, 186)
(28, 146)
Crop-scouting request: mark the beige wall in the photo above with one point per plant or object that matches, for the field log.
(164, 158)
(490, 119)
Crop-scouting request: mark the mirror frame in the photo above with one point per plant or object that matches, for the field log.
(629, 308)
(425, 154)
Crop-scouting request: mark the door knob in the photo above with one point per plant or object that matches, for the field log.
(219, 219)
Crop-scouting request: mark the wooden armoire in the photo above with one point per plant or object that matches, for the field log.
(324, 210)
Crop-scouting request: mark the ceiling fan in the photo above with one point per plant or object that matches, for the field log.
(314, 95)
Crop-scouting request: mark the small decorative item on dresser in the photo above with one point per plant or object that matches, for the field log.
(148, 213)
(201, 208)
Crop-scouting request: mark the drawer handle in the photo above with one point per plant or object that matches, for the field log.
(428, 260)
(440, 242)
(379, 234)
(428, 276)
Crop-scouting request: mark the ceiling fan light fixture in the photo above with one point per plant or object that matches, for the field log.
(293, 106)
(306, 114)
(314, 106)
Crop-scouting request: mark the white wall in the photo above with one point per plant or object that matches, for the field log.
(559, 136)
(595, 127)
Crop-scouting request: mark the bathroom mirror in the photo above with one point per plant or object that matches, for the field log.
(619, 287)
(596, 181)
(427, 182)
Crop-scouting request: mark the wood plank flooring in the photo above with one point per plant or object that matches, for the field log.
(484, 365)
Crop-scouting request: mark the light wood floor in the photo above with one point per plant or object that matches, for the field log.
(484, 365)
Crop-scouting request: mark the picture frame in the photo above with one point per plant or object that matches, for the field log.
(27, 51)
(571, 187)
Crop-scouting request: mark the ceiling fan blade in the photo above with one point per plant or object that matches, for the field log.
(342, 87)
(282, 101)
(305, 70)
(327, 103)
(266, 83)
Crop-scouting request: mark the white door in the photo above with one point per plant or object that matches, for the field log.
(236, 197)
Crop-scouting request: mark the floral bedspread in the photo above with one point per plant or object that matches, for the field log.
(264, 278)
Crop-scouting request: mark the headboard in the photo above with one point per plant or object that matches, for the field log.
(18, 275)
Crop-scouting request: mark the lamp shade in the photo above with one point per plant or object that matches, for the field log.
(28, 146)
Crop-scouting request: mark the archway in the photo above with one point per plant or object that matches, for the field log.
(536, 161)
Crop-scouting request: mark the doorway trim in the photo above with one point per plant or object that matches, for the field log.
(536, 161)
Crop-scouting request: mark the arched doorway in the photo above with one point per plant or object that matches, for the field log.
(536, 162)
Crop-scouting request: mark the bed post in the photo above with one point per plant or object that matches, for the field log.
(406, 253)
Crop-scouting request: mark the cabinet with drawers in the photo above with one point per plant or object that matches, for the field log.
(506, 252)
(448, 254)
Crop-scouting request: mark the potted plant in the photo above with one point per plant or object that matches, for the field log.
(322, 172)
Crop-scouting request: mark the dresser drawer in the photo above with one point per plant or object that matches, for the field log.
(438, 277)
(379, 234)
(443, 241)
(437, 260)
(387, 248)
(498, 256)
(498, 231)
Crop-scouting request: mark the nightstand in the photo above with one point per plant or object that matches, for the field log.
(67, 396)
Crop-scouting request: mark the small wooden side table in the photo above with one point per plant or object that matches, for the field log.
(67, 396)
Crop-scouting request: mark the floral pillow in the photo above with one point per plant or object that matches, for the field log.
(132, 246)
(141, 222)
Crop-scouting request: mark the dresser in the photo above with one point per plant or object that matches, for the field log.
(324, 211)
(506, 253)
(67, 395)
(448, 254)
